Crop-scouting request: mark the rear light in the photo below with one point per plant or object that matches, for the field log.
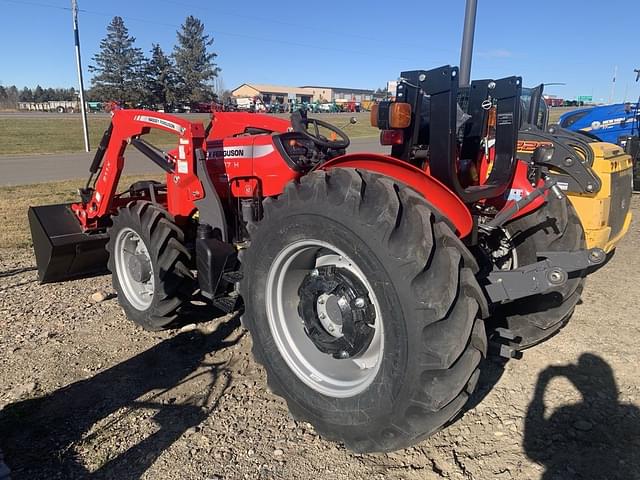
(374, 115)
(389, 115)
(399, 115)
(391, 137)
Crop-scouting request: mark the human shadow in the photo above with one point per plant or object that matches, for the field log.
(40, 436)
(598, 438)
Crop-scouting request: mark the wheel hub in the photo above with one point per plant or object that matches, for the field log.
(293, 311)
(139, 268)
(337, 313)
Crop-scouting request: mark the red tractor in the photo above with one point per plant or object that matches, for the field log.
(366, 279)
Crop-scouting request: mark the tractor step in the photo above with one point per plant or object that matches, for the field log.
(227, 303)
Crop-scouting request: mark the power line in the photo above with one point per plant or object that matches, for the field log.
(36, 4)
(217, 32)
(297, 26)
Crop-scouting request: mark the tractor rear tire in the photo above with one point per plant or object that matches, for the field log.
(422, 362)
(553, 227)
(149, 264)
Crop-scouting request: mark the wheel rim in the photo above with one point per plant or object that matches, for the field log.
(134, 269)
(343, 377)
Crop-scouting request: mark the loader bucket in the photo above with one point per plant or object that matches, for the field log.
(63, 251)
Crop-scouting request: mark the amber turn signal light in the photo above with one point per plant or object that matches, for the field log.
(374, 115)
(399, 115)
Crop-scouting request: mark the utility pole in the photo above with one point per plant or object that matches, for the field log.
(83, 107)
(467, 42)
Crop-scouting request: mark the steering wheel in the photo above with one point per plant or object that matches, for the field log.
(300, 124)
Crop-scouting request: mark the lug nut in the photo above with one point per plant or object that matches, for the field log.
(322, 316)
(359, 302)
(315, 272)
(344, 354)
(330, 328)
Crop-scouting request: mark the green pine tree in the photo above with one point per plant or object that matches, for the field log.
(119, 66)
(39, 94)
(161, 79)
(26, 95)
(194, 63)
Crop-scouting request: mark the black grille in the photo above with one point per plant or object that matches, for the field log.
(620, 200)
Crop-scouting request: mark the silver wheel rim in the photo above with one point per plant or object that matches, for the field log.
(338, 378)
(139, 292)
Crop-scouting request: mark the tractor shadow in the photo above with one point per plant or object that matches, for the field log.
(123, 418)
(491, 371)
(598, 438)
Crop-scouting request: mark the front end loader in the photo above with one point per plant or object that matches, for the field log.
(368, 282)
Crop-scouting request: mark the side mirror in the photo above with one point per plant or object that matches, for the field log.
(353, 120)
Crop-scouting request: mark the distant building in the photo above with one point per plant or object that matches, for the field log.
(308, 93)
(332, 94)
(273, 93)
(553, 101)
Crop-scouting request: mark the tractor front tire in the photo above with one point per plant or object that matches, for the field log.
(553, 227)
(149, 264)
(363, 308)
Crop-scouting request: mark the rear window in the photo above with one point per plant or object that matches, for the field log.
(573, 118)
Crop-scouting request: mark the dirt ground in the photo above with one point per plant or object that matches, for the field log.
(85, 394)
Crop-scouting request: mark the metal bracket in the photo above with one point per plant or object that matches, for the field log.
(210, 207)
(570, 169)
(545, 276)
(503, 342)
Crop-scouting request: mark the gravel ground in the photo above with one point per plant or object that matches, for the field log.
(85, 394)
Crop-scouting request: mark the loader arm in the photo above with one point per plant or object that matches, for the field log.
(127, 127)
(69, 239)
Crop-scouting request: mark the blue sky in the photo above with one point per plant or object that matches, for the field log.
(341, 43)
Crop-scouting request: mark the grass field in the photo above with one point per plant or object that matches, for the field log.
(53, 134)
(15, 201)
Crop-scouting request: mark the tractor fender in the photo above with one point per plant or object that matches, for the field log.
(444, 201)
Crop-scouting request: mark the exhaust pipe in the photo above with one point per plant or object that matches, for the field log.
(466, 52)
(63, 251)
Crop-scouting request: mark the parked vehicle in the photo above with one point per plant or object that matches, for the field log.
(275, 107)
(247, 104)
(60, 106)
(328, 107)
(95, 107)
(618, 124)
